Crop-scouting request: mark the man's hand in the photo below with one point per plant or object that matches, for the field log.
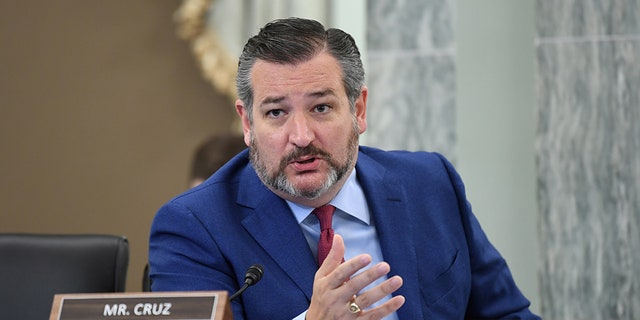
(335, 287)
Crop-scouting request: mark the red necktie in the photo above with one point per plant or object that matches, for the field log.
(324, 214)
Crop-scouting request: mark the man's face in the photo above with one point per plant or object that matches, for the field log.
(304, 137)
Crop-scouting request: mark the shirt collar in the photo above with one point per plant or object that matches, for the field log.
(350, 200)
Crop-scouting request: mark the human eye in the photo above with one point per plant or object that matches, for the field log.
(322, 108)
(274, 113)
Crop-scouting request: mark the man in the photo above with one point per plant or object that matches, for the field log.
(406, 244)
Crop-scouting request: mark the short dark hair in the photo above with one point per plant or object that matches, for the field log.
(295, 40)
(214, 153)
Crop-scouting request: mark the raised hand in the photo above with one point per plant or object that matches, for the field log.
(336, 291)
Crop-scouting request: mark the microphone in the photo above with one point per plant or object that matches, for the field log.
(253, 275)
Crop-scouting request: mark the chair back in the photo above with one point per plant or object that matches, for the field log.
(35, 267)
(146, 280)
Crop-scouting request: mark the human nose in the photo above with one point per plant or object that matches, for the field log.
(301, 131)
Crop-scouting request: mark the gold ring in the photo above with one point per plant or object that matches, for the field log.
(354, 307)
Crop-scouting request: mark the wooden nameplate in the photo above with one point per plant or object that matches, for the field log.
(194, 305)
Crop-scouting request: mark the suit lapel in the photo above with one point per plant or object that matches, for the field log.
(274, 227)
(387, 203)
(271, 223)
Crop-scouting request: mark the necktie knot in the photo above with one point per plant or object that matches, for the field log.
(325, 215)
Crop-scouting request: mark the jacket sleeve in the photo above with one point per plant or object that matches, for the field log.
(184, 257)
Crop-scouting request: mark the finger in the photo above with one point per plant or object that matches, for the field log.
(346, 270)
(334, 263)
(378, 292)
(365, 278)
(383, 310)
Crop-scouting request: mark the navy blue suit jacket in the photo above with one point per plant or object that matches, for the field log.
(206, 238)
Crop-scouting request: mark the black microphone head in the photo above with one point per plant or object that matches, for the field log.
(254, 274)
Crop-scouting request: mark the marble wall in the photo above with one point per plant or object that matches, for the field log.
(588, 157)
(457, 77)
(411, 75)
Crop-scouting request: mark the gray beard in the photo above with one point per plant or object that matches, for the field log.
(280, 182)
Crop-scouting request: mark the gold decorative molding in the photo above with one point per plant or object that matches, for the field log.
(217, 65)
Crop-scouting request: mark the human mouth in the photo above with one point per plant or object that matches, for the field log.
(305, 163)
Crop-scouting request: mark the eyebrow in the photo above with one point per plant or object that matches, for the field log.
(322, 93)
(315, 94)
(270, 100)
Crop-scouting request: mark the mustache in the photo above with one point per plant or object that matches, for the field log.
(309, 150)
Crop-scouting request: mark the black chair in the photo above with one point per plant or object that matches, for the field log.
(146, 280)
(35, 267)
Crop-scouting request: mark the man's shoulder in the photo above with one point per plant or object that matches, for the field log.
(402, 157)
(405, 166)
(222, 185)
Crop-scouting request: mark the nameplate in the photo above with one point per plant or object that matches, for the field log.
(197, 305)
